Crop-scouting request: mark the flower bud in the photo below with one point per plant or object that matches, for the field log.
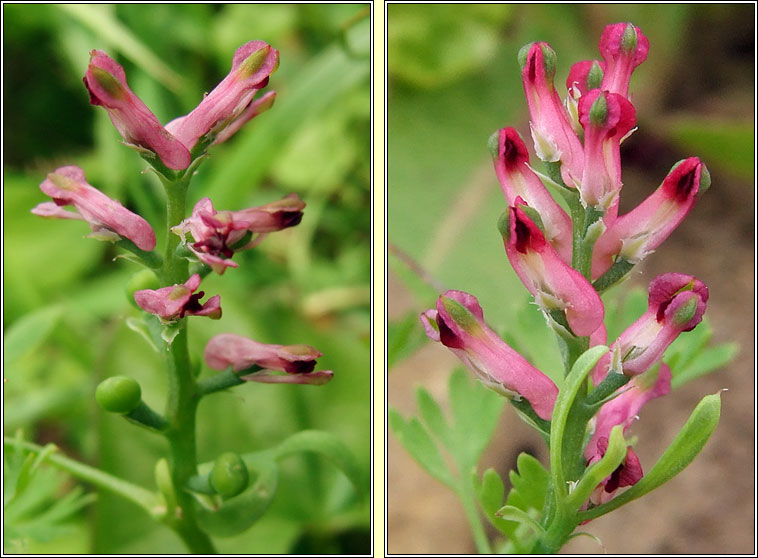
(175, 302)
(623, 47)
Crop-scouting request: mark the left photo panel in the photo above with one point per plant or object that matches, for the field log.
(187, 195)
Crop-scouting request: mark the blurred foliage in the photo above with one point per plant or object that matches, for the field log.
(65, 305)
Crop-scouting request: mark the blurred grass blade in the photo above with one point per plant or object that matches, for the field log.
(101, 21)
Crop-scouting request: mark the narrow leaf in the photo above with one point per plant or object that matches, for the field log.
(416, 441)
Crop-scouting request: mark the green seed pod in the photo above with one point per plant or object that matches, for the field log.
(118, 394)
(229, 476)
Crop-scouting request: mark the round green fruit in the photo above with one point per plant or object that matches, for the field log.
(229, 476)
(118, 394)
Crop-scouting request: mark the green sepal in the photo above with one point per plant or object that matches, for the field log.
(237, 514)
(512, 513)
(687, 444)
(615, 274)
(563, 405)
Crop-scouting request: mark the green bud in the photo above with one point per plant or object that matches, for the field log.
(108, 82)
(254, 62)
(493, 144)
(599, 111)
(629, 39)
(118, 394)
(595, 76)
(229, 476)
(504, 224)
(522, 55)
(687, 311)
(705, 179)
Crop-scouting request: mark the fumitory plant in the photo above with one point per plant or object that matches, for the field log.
(225, 496)
(568, 244)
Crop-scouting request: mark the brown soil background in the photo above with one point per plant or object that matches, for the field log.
(709, 508)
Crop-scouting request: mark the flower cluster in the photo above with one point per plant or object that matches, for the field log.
(214, 236)
(567, 260)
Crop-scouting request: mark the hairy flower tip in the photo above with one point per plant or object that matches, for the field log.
(623, 47)
(107, 218)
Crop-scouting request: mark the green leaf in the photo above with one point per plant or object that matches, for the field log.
(475, 411)
(29, 332)
(237, 514)
(403, 338)
(687, 444)
(515, 514)
(417, 441)
(433, 417)
(600, 470)
(529, 483)
(708, 360)
(330, 447)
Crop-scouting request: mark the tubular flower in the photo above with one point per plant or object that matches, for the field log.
(555, 285)
(606, 119)
(458, 323)
(511, 160)
(218, 234)
(241, 353)
(623, 47)
(676, 303)
(107, 218)
(638, 233)
(176, 302)
(106, 82)
(622, 410)
(584, 76)
(554, 138)
(231, 103)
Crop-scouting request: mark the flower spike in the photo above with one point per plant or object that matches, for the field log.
(606, 119)
(240, 353)
(623, 47)
(458, 323)
(511, 160)
(555, 285)
(638, 233)
(231, 104)
(106, 82)
(176, 302)
(107, 218)
(554, 137)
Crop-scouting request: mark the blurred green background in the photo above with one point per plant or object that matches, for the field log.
(64, 296)
(454, 80)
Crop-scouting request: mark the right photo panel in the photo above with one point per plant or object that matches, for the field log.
(571, 287)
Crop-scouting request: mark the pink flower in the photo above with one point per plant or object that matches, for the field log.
(553, 283)
(231, 103)
(622, 410)
(518, 180)
(458, 323)
(638, 233)
(106, 82)
(241, 353)
(107, 218)
(676, 304)
(173, 303)
(218, 234)
(554, 137)
(623, 47)
(606, 119)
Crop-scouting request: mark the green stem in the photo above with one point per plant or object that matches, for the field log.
(468, 500)
(127, 490)
(181, 405)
